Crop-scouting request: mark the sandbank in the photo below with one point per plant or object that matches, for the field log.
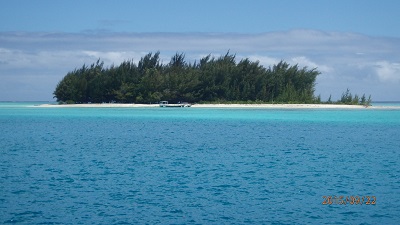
(98, 105)
(266, 106)
(280, 106)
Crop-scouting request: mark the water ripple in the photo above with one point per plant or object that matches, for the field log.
(130, 169)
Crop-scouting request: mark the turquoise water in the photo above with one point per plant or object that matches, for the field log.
(197, 166)
(393, 103)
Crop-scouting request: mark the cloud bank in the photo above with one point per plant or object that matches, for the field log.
(31, 64)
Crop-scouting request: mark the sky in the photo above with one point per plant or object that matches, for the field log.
(355, 44)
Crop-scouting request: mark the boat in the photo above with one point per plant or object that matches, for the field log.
(180, 104)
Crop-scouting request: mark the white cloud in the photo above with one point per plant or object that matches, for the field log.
(266, 61)
(304, 61)
(336, 55)
(112, 57)
(388, 72)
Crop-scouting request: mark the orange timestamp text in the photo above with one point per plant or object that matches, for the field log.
(349, 200)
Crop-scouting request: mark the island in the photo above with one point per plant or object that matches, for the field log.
(211, 80)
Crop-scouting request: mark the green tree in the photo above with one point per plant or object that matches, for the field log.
(363, 100)
(329, 99)
(209, 79)
(369, 101)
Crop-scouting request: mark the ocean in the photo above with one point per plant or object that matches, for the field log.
(198, 165)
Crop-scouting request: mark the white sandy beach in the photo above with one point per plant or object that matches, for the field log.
(279, 106)
(98, 105)
(267, 106)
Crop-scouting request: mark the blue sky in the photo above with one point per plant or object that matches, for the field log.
(378, 18)
(354, 43)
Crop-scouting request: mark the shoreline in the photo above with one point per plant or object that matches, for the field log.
(261, 106)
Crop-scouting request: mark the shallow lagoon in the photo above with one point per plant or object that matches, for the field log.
(197, 166)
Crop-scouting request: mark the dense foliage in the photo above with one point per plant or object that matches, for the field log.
(348, 99)
(208, 80)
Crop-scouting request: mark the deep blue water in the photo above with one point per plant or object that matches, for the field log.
(197, 166)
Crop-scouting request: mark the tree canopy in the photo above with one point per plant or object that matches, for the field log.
(208, 80)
